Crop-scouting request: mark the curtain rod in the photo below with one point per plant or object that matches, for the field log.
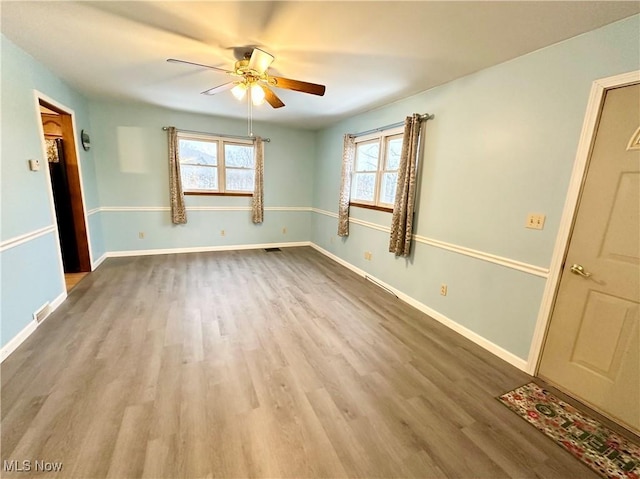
(239, 137)
(425, 116)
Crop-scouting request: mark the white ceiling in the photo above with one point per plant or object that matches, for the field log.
(366, 53)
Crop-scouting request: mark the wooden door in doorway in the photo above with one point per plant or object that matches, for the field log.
(592, 348)
(66, 188)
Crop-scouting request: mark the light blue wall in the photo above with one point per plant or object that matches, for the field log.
(26, 191)
(31, 272)
(502, 145)
(31, 276)
(131, 155)
(203, 229)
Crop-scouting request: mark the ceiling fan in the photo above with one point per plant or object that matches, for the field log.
(253, 77)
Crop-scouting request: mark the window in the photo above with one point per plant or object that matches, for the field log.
(375, 170)
(213, 165)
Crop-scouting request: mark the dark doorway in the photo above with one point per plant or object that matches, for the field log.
(62, 200)
(65, 185)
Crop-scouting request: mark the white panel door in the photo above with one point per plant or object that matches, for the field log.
(592, 349)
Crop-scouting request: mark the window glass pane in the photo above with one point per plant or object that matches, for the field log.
(388, 188)
(394, 147)
(196, 152)
(239, 156)
(363, 186)
(239, 180)
(199, 177)
(367, 156)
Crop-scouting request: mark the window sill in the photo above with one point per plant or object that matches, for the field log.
(372, 207)
(215, 193)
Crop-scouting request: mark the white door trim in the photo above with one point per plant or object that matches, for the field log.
(41, 96)
(585, 144)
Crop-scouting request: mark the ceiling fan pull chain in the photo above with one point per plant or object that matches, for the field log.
(248, 112)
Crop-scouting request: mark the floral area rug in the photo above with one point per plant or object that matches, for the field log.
(606, 452)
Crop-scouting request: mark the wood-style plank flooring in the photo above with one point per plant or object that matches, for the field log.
(72, 279)
(255, 364)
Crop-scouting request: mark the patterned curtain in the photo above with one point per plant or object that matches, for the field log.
(402, 220)
(257, 202)
(348, 153)
(178, 211)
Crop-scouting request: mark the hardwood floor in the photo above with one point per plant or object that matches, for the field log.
(72, 279)
(255, 364)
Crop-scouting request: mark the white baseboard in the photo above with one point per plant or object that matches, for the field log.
(203, 249)
(458, 328)
(19, 338)
(98, 262)
(55, 303)
(344, 263)
(467, 333)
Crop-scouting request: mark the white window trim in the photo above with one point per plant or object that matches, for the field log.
(383, 153)
(221, 164)
(382, 138)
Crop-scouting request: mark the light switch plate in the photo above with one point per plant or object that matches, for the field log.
(535, 221)
(34, 165)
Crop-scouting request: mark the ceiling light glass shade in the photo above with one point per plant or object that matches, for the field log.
(257, 94)
(239, 91)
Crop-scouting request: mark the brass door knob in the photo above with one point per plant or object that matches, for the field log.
(579, 269)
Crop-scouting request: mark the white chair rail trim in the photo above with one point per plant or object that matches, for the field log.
(24, 238)
(473, 253)
(195, 208)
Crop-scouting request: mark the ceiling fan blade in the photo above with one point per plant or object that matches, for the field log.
(297, 85)
(260, 60)
(271, 97)
(174, 60)
(219, 88)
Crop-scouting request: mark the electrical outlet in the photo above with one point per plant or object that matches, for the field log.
(443, 289)
(367, 255)
(141, 235)
(222, 233)
(331, 239)
(535, 221)
(284, 231)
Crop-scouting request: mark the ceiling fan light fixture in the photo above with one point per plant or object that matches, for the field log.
(254, 81)
(239, 90)
(257, 94)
